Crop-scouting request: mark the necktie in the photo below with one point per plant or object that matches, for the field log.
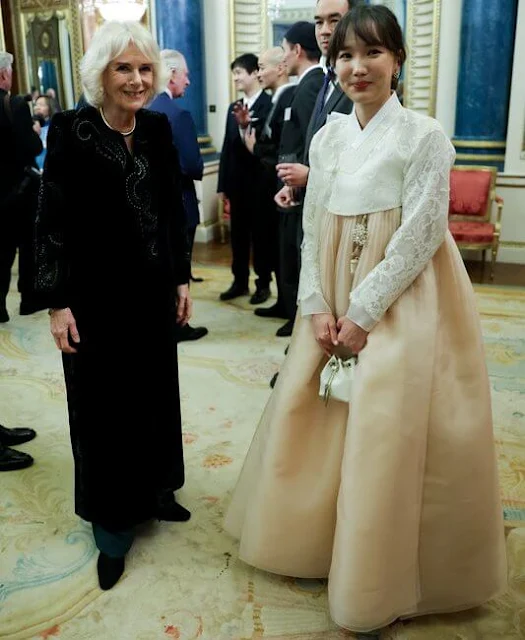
(328, 77)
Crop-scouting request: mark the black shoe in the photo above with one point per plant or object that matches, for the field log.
(10, 460)
(235, 291)
(274, 380)
(260, 296)
(170, 510)
(190, 333)
(286, 350)
(4, 316)
(275, 311)
(194, 279)
(285, 330)
(12, 437)
(109, 570)
(27, 308)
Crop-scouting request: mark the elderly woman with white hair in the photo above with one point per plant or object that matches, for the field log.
(113, 268)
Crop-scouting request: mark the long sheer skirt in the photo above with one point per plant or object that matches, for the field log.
(395, 498)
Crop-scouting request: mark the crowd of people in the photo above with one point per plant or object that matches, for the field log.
(342, 196)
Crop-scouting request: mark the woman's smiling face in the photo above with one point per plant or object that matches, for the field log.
(128, 80)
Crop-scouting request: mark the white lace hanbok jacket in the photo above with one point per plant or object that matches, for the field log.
(400, 159)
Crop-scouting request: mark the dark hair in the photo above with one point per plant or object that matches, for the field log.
(375, 24)
(52, 105)
(248, 62)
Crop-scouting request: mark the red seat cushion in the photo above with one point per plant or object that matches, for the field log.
(469, 192)
(472, 232)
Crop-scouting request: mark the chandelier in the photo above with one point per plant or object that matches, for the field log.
(274, 8)
(121, 10)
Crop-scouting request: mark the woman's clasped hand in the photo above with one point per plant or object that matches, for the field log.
(330, 333)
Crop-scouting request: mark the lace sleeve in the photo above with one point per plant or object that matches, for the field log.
(310, 297)
(424, 222)
(51, 273)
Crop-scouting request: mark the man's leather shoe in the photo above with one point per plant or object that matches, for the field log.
(190, 333)
(275, 311)
(170, 510)
(12, 437)
(194, 279)
(4, 316)
(260, 296)
(109, 570)
(285, 330)
(10, 460)
(235, 291)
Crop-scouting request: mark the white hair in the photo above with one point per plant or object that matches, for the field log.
(173, 60)
(6, 60)
(109, 41)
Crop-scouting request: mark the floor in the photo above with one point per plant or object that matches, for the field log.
(505, 274)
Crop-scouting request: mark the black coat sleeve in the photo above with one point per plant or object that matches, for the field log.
(51, 261)
(172, 204)
(28, 143)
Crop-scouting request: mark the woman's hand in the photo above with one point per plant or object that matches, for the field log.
(284, 198)
(351, 335)
(184, 305)
(325, 331)
(63, 325)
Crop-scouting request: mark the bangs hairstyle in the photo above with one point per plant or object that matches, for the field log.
(110, 41)
(376, 25)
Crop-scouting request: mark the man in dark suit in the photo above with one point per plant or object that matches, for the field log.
(239, 180)
(20, 143)
(302, 56)
(184, 137)
(273, 76)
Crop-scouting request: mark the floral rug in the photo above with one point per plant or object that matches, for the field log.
(183, 581)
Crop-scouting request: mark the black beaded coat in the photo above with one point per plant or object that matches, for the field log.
(110, 245)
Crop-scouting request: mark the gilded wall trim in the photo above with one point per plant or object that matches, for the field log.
(421, 70)
(71, 7)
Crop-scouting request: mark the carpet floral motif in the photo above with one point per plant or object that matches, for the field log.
(183, 581)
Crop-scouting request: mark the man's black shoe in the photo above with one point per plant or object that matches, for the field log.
(10, 460)
(194, 279)
(260, 296)
(12, 437)
(275, 311)
(190, 333)
(285, 330)
(4, 316)
(235, 291)
(169, 509)
(109, 570)
(274, 380)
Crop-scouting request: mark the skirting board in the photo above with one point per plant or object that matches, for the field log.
(208, 233)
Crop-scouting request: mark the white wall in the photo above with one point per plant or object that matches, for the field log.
(217, 48)
(448, 64)
(515, 154)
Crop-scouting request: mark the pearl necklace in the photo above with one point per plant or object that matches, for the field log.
(122, 133)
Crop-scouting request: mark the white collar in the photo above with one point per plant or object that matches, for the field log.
(279, 90)
(169, 93)
(249, 102)
(391, 106)
(303, 74)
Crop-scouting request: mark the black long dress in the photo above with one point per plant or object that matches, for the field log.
(110, 245)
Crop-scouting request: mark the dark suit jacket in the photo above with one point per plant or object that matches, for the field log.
(267, 145)
(293, 137)
(184, 138)
(239, 170)
(19, 143)
(338, 102)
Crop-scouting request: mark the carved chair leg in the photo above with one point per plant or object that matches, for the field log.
(493, 262)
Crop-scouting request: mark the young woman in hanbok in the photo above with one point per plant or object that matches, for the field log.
(394, 497)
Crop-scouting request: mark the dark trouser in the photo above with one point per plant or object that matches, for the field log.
(290, 239)
(252, 224)
(191, 231)
(114, 544)
(16, 232)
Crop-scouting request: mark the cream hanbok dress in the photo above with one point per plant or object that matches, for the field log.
(394, 497)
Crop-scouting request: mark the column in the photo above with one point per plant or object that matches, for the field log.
(485, 68)
(180, 26)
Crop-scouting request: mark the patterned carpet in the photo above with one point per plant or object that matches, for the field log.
(183, 580)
